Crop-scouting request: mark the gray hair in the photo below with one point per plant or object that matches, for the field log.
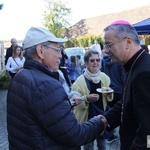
(123, 30)
(30, 52)
(89, 53)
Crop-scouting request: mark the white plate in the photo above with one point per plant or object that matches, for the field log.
(63, 67)
(100, 91)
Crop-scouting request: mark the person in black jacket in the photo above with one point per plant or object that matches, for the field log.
(62, 65)
(39, 114)
(132, 113)
(9, 51)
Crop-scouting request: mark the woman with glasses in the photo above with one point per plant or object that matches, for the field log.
(95, 102)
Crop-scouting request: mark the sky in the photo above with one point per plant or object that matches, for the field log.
(17, 16)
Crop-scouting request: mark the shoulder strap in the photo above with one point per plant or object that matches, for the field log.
(15, 62)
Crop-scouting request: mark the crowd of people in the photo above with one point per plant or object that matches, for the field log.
(63, 106)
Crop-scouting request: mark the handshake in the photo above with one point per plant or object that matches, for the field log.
(103, 119)
(75, 99)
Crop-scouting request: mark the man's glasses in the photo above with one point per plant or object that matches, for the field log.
(108, 46)
(93, 60)
(57, 49)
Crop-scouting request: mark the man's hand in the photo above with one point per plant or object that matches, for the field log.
(75, 100)
(104, 121)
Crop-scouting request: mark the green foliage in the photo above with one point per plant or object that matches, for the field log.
(55, 17)
(147, 40)
(84, 41)
(4, 80)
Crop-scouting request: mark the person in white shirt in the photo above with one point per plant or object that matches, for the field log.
(96, 46)
(16, 61)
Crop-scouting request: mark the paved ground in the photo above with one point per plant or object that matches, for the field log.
(114, 145)
(3, 132)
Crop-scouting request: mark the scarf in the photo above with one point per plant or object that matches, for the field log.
(95, 78)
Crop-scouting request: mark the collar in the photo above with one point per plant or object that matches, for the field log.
(35, 65)
(129, 63)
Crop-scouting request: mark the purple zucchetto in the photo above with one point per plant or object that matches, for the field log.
(121, 22)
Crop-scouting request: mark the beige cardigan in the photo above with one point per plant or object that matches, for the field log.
(81, 110)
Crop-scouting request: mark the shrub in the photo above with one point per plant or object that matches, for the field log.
(4, 80)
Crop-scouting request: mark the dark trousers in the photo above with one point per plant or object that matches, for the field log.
(12, 74)
(117, 97)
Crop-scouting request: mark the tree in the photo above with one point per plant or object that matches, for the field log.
(55, 17)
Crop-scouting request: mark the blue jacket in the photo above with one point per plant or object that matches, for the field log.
(71, 71)
(39, 115)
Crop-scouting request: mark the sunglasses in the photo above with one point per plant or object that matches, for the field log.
(93, 60)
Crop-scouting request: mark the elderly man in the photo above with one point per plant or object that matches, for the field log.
(133, 112)
(9, 51)
(39, 115)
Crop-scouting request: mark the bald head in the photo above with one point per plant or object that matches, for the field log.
(13, 42)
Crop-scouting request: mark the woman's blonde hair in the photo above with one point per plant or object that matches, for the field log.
(14, 52)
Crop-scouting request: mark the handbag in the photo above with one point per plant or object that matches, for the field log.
(94, 111)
